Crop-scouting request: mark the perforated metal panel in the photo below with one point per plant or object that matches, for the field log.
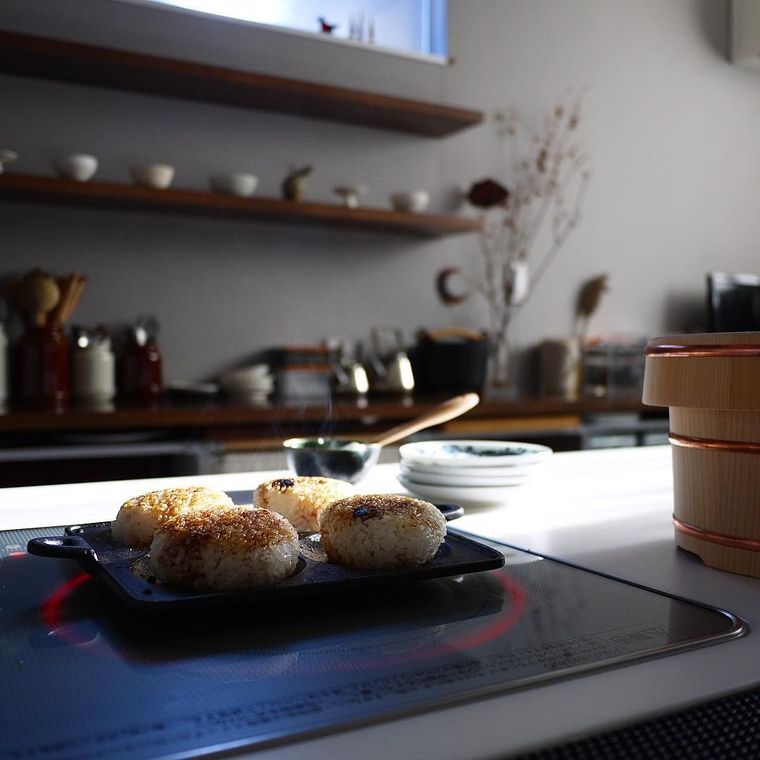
(724, 728)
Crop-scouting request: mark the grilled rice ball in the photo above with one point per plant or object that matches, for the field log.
(301, 499)
(220, 551)
(141, 516)
(382, 531)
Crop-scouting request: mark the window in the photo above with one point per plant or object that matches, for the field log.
(415, 27)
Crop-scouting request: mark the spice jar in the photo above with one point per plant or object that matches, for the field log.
(42, 367)
(142, 377)
(93, 373)
(3, 366)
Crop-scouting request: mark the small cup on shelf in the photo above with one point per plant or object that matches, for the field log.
(412, 201)
(159, 176)
(242, 184)
(77, 166)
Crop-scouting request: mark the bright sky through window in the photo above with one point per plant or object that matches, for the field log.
(412, 26)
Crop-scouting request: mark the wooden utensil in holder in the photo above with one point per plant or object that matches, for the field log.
(711, 383)
(42, 365)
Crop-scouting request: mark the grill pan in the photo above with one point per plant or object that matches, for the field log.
(124, 570)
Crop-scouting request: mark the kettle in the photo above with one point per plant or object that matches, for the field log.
(350, 375)
(391, 364)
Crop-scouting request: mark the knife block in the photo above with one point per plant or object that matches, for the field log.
(711, 384)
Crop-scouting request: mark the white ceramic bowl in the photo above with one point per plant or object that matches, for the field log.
(241, 184)
(473, 454)
(77, 166)
(413, 201)
(159, 176)
(477, 496)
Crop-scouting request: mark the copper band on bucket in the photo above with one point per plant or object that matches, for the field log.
(681, 350)
(750, 544)
(690, 442)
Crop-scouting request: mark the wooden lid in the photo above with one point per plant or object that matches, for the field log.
(704, 371)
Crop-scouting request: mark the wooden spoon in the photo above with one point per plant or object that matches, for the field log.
(38, 294)
(444, 412)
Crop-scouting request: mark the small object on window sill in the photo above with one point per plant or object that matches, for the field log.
(325, 26)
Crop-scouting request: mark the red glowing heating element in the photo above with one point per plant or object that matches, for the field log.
(502, 624)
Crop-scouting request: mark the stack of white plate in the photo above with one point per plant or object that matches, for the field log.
(480, 473)
(249, 384)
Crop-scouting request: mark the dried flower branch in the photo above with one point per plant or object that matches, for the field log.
(541, 207)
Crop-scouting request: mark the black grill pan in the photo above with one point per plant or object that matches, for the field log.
(125, 572)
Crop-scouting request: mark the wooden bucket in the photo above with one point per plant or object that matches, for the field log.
(711, 384)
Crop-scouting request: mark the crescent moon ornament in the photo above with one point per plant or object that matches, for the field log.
(449, 297)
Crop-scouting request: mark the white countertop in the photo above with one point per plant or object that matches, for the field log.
(605, 510)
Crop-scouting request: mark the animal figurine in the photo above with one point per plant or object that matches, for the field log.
(325, 26)
(294, 185)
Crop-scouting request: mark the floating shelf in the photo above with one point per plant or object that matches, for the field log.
(42, 58)
(109, 195)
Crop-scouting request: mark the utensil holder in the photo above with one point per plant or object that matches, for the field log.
(43, 375)
(711, 384)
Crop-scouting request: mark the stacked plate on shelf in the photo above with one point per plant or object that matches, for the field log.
(479, 473)
(248, 385)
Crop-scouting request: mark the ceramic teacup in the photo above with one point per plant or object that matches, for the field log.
(413, 201)
(159, 176)
(242, 184)
(77, 166)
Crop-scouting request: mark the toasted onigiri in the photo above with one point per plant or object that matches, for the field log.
(301, 499)
(140, 517)
(219, 551)
(382, 531)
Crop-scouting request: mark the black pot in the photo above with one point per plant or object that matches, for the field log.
(455, 365)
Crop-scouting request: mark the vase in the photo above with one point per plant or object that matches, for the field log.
(500, 379)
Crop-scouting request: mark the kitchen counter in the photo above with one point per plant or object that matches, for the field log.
(605, 510)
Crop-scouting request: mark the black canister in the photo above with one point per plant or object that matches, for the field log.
(450, 360)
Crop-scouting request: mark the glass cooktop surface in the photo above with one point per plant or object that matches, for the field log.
(83, 676)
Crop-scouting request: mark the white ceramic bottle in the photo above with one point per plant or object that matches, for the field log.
(93, 368)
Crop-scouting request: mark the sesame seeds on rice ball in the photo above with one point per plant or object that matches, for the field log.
(140, 517)
(301, 499)
(382, 531)
(225, 550)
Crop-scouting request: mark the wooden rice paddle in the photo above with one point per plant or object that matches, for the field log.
(444, 412)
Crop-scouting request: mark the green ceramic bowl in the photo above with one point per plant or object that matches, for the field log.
(338, 458)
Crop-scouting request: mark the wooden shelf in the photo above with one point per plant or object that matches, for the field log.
(42, 58)
(378, 412)
(109, 195)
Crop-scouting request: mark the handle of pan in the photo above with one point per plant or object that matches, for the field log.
(451, 511)
(61, 547)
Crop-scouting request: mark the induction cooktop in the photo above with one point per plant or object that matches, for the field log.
(85, 676)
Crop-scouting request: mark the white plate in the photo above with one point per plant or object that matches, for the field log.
(477, 495)
(446, 477)
(464, 453)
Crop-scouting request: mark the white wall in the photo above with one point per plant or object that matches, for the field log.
(671, 126)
